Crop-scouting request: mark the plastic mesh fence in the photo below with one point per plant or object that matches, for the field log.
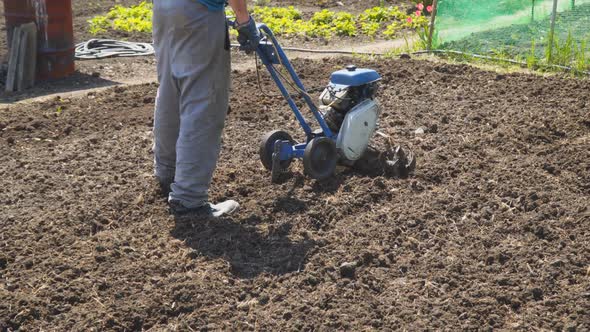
(516, 29)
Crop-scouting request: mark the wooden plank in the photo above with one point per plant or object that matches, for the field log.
(28, 57)
(13, 60)
(20, 65)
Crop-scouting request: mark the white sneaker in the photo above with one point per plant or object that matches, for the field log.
(205, 211)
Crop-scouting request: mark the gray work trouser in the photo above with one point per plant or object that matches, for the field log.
(192, 51)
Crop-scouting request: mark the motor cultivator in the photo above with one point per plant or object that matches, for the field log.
(347, 117)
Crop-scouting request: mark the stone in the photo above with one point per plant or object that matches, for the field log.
(348, 270)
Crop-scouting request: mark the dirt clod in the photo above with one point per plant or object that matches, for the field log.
(3, 262)
(537, 294)
(348, 270)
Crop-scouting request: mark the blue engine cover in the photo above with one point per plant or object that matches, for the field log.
(353, 76)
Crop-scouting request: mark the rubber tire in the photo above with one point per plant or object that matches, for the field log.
(267, 147)
(320, 158)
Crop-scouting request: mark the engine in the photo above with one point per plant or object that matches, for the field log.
(347, 89)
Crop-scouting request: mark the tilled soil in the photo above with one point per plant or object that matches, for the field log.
(108, 72)
(490, 233)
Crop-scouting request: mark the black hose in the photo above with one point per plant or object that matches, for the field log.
(105, 48)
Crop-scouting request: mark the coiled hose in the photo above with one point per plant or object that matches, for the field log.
(107, 48)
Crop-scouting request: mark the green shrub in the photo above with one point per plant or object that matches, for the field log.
(286, 21)
(370, 28)
(382, 14)
(324, 17)
(344, 24)
(130, 19)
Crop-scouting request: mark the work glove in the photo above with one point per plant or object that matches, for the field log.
(248, 36)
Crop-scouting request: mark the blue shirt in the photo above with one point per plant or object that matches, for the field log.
(213, 5)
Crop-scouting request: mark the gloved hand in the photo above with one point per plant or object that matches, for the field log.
(248, 36)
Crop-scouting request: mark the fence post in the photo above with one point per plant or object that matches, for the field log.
(552, 31)
(431, 26)
(533, 11)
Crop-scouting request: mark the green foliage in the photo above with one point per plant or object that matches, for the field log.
(370, 28)
(568, 53)
(287, 21)
(324, 17)
(344, 24)
(531, 58)
(382, 14)
(289, 13)
(282, 20)
(581, 61)
(563, 53)
(326, 23)
(423, 31)
(320, 24)
(130, 19)
(392, 30)
(99, 24)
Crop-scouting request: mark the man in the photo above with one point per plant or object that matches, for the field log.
(192, 51)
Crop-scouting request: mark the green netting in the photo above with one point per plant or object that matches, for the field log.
(518, 29)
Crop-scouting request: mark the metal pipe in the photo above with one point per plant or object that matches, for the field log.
(432, 23)
(552, 31)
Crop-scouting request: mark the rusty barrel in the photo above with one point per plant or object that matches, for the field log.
(55, 33)
(55, 57)
(17, 12)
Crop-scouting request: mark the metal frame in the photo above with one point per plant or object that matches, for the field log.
(432, 24)
(271, 53)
